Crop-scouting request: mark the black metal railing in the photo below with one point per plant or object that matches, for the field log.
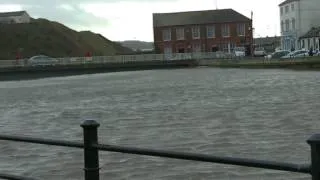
(92, 147)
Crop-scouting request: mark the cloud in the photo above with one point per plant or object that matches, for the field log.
(10, 7)
(132, 19)
(67, 7)
(67, 13)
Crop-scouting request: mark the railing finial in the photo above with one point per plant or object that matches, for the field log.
(91, 154)
(314, 142)
(90, 123)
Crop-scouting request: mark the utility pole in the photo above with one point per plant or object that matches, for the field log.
(216, 2)
(252, 31)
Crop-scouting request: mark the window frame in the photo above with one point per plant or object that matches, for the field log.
(195, 30)
(166, 34)
(196, 47)
(293, 23)
(180, 35)
(287, 25)
(286, 9)
(241, 27)
(212, 29)
(225, 29)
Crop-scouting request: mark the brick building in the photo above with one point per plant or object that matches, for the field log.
(201, 31)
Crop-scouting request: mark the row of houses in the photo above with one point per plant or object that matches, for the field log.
(202, 31)
(223, 29)
(300, 24)
(183, 32)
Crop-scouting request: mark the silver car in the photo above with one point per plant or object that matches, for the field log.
(296, 54)
(42, 60)
(277, 54)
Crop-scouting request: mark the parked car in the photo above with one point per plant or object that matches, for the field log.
(296, 54)
(42, 60)
(239, 51)
(259, 52)
(277, 54)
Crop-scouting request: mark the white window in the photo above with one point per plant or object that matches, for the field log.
(166, 35)
(281, 10)
(180, 33)
(282, 26)
(225, 30)
(241, 28)
(292, 7)
(167, 50)
(196, 32)
(293, 24)
(211, 31)
(287, 8)
(196, 48)
(287, 25)
(225, 47)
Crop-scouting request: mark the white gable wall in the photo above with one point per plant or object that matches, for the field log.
(24, 18)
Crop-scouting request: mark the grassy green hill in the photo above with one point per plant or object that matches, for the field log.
(50, 38)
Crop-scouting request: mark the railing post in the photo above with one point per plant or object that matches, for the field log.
(314, 142)
(91, 154)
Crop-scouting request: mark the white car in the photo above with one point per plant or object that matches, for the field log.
(42, 60)
(277, 54)
(259, 52)
(296, 54)
(239, 51)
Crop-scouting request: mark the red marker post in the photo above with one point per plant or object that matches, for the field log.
(18, 57)
(88, 56)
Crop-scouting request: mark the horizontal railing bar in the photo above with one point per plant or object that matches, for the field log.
(170, 154)
(42, 141)
(14, 177)
(208, 158)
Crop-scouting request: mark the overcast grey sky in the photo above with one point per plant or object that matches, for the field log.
(132, 19)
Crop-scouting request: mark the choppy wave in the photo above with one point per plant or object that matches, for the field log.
(264, 114)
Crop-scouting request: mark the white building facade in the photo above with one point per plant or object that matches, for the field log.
(16, 17)
(297, 17)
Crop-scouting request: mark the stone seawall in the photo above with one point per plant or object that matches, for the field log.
(35, 72)
(303, 63)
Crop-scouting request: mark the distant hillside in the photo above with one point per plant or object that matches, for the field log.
(53, 39)
(137, 44)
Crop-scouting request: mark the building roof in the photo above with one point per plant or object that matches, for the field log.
(14, 13)
(287, 2)
(197, 17)
(313, 32)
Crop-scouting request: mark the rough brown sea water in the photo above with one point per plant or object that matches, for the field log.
(261, 114)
